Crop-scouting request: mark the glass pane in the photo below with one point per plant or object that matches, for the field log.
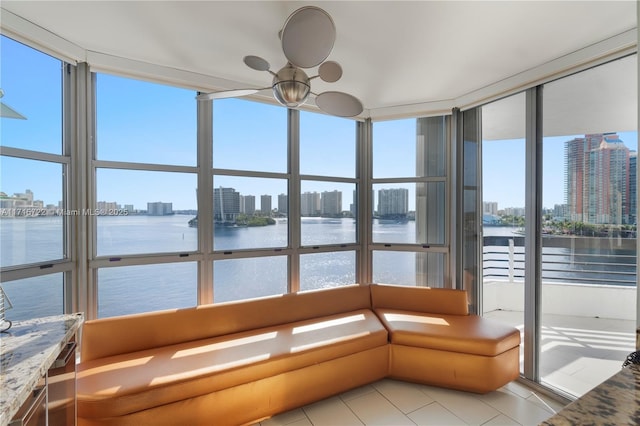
(145, 212)
(589, 252)
(327, 210)
(325, 270)
(249, 136)
(30, 211)
(237, 279)
(503, 192)
(247, 214)
(409, 268)
(133, 125)
(394, 148)
(432, 135)
(35, 297)
(327, 145)
(394, 213)
(144, 288)
(471, 192)
(32, 98)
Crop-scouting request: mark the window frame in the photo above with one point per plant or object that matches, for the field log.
(65, 264)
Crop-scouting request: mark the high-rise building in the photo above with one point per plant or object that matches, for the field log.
(490, 207)
(226, 204)
(514, 211)
(393, 202)
(331, 203)
(283, 204)
(157, 208)
(248, 204)
(310, 204)
(354, 204)
(559, 211)
(597, 179)
(265, 205)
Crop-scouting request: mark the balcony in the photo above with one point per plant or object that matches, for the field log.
(588, 303)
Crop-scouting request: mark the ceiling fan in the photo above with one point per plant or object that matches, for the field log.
(307, 39)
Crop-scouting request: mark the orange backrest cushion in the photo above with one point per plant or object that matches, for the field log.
(130, 333)
(420, 299)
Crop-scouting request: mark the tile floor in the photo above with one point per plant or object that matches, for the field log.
(397, 403)
(577, 354)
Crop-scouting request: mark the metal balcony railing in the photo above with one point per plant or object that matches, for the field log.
(587, 260)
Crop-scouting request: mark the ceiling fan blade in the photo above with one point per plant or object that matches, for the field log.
(256, 63)
(339, 103)
(330, 71)
(236, 93)
(8, 112)
(307, 37)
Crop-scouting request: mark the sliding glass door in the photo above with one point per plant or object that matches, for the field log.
(589, 257)
(503, 201)
(559, 185)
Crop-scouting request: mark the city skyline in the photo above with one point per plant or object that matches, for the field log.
(613, 167)
(391, 202)
(503, 171)
(553, 155)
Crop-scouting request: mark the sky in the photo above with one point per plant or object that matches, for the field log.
(145, 122)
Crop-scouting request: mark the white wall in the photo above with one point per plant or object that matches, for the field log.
(582, 300)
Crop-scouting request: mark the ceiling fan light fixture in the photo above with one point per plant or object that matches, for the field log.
(291, 86)
(307, 40)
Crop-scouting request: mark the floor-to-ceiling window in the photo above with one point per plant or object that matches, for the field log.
(285, 200)
(250, 200)
(503, 213)
(34, 170)
(575, 299)
(329, 182)
(589, 227)
(145, 179)
(408, 201)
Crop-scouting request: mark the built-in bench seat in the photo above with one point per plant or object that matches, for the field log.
(240, 362)
(130, 382)
(434, 340)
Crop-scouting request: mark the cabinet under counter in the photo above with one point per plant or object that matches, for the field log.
(28, 351)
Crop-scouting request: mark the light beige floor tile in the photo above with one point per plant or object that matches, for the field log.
(435, 415)
(292, 417)
(464, 405)
(518, 389)
(302, 422)
(331, 412)
(546, 403)
(407, 397)
(519, 409)
(357, 392)
(375, 409)
(501, 420)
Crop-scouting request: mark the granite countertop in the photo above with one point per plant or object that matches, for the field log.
(615, 401)
(27, 350)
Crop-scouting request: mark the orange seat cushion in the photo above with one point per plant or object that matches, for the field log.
(470, 334)
(125, 383)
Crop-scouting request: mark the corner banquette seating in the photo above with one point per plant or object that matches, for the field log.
(241, 362)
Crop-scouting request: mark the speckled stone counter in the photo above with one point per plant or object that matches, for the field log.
(615, 401)
(27, 351)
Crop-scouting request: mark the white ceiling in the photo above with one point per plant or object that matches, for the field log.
(397, 57)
